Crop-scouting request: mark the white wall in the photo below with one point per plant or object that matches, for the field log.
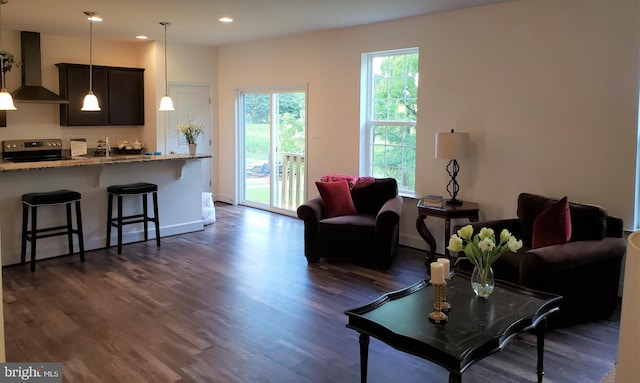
(547, 89)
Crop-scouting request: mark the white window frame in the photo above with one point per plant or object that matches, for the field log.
(636, 217)
(367, 124)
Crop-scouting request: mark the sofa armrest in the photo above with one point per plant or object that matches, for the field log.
(311, 212)
(387, 232)
(557, 259)
(614, 227)
(389, 213)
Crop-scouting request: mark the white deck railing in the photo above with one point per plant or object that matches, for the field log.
(292, 181)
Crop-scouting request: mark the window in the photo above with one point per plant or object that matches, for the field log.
(389, 110)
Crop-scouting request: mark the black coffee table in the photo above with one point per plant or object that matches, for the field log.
(477, 327)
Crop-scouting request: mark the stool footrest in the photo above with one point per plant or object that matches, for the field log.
(59, 230)
(131, 219)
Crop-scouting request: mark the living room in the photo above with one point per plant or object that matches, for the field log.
(546, 89)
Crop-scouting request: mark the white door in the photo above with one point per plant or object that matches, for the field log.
(191, 101)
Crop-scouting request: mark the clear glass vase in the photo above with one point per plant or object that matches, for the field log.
(482, 281)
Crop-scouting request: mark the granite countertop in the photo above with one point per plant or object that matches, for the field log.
(6, 166)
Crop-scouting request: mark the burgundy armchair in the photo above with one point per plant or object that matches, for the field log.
(369, 237)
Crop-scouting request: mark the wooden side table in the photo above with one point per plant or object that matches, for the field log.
(467, 210)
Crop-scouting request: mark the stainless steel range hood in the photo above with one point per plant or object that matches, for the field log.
(32, 89)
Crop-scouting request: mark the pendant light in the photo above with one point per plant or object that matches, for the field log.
(166, 103)
(90, 103)
(6, 101)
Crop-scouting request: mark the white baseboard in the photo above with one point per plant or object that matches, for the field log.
(52, 248)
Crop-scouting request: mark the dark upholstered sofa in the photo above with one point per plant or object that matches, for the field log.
(585, 270)
(369, 237)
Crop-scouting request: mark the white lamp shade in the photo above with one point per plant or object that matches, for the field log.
(451, 146)
(90, 103)
(628, 368)
(166, 103)
(6, 102)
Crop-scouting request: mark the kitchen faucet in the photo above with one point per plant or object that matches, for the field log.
(107, 147)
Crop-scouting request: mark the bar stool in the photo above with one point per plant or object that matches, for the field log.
(140, 188)
(31, 202)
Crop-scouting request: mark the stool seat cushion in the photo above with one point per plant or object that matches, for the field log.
(137, 188)
(51, 198)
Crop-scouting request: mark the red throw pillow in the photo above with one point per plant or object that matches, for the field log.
(336, 198)
(553, 225)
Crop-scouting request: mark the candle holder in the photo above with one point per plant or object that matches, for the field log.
(437, 315)
(444, 305)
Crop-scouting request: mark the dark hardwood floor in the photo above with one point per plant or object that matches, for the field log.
(237, 302)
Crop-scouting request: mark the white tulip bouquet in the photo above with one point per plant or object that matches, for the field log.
(482, 249)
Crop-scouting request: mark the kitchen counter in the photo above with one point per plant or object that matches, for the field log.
(6, 166)
(178, 177)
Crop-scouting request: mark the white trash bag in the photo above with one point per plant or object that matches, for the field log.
(208, 209)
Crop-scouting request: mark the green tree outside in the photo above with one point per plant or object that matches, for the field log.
(291, 120)
(394, 112)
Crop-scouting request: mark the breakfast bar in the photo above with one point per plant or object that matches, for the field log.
(179, 194)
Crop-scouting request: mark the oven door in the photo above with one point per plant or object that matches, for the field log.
(33, 156)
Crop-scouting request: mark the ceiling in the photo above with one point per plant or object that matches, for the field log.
(196, 21)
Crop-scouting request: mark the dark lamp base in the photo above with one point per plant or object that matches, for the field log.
(453, 201)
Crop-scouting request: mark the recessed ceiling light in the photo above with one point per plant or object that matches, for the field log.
(142, 37)
(226, 19)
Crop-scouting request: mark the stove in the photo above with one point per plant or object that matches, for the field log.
(32, 150)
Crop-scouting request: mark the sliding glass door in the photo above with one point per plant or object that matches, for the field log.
(273, 125)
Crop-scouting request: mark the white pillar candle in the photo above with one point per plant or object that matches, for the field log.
(437, 273)
(446, 263)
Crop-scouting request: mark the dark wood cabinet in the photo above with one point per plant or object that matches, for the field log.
(74, 85)
(120, 93)
(126, 96)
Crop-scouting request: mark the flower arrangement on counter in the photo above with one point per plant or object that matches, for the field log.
(191, 130)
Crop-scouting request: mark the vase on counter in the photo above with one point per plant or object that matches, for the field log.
(192, 149)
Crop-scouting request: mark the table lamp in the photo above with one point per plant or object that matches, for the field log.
(452, 146)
